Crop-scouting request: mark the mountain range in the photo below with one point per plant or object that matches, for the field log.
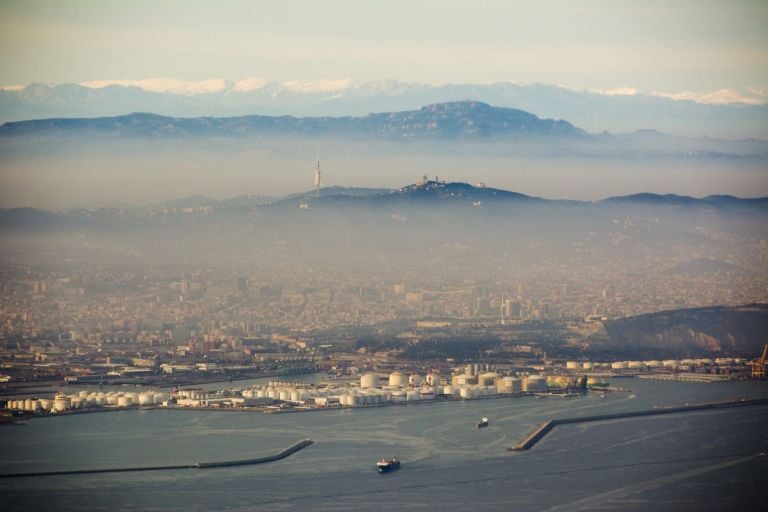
(427, 192)
(616, 111)
(504, 131)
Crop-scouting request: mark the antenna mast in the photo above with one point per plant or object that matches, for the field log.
(317, 172)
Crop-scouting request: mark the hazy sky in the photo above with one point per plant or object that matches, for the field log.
(695, 45)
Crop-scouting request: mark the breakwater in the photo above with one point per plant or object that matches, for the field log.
(543, 428)
(200, 465)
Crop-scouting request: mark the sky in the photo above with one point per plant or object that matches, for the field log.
(684, 45)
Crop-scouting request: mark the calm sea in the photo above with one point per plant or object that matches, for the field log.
(696, 461)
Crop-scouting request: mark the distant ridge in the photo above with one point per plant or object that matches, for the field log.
(695, 332)
(658, 199)
(460, 119)
(426, 190)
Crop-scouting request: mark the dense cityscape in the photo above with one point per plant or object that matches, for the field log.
(282, 311)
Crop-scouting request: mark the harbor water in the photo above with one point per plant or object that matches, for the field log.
(706, 460)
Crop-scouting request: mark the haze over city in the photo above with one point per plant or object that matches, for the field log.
(437, 252)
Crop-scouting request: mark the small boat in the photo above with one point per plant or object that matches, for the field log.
(387, 465)
(483, 422)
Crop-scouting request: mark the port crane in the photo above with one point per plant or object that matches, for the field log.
(758, 365)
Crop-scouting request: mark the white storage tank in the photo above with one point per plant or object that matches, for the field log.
(146, 398)
(535, 383)
(433, 378)
(670, 363)
(465, 392)
(61, 403)
(125, 401)
(636, 365)
(653, 364)
(619, 365)
(573, 365)
(399, 396)
(510, 385)
(397, 379)
(369, 380)
(413, 395)
(448, 390)
(487, 379)
(587, 365)
(465, 380)
(46, 404)
(415, 379)
(427, 393)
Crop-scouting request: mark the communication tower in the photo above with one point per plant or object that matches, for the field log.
(317, 173)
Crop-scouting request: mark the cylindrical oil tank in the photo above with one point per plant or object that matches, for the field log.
(619, 365)
(415, 379)
(587, 365)
(427, 393)
(413, 395)
(61, 403)
(146, 398)
(507, 385)
(433, 378)
(573, 365)
(636, 365)
(125, 401)
(465, 392)
(398, 379)
(465, 380)
(369, 380)
(487, 379)
(399, 396)
(670, 363)
(535, 383)
(653, 364)
(448, 390)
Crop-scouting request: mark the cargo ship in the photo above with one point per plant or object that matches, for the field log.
(483, 422)
(386, 465)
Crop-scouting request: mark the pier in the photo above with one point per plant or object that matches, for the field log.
(543, 428)
(200, 465)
